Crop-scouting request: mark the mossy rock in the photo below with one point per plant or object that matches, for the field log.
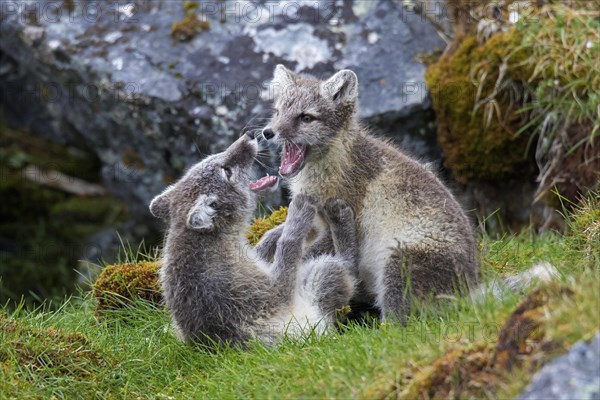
(476, 370)
(19, 148)
(477, 145)
(531, 81)
(119, 284)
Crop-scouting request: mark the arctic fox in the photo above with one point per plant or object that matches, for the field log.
(414, 238)
(220, 290)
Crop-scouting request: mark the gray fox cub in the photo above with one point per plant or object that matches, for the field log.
(216, 287)
(414, 238)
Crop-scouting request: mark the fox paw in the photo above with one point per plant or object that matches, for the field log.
(338, 212)
(303, 207)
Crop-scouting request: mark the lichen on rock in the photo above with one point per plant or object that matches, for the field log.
(189, 27)
(191, 24)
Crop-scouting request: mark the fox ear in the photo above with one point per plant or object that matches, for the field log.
(202, 214)
(159, 206)
(283, 77)
(341, 87)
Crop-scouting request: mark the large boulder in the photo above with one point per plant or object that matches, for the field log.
(151, 87)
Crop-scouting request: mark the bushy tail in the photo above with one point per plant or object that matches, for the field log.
(542, 272)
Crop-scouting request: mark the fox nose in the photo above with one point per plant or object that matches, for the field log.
(251, 134)
(268, 133)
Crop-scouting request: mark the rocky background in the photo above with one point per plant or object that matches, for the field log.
(106, 103)
(143, 89)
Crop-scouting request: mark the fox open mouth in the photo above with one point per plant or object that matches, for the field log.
(292, 159)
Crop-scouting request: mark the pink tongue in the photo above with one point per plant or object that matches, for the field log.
(263, 183)
(293, 156)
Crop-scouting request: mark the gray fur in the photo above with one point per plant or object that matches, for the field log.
(217, 288)
(414, 238)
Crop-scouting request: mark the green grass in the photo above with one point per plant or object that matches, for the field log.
(131, 353)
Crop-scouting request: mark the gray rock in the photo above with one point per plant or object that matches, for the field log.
(107, 76)
(575, 375)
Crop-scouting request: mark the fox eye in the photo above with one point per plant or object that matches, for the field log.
(214, 205)
(228, 172)
(307, 118)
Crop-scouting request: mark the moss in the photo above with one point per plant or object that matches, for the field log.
(475, 144)
(19, 148)
(118, 284)
(262, 225)
(522, 340)
(477, 370)
(88, 210)
(460, 372)
(48, 351)
(534, 81)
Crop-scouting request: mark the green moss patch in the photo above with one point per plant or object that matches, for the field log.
(476, 143)
(118, 284)
(260, 226)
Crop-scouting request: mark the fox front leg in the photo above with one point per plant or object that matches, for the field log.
(289, 246)
(265, 249)
(343, 232)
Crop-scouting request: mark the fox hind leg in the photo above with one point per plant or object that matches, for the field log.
(343, 232)
(411, 274)
(329, 282)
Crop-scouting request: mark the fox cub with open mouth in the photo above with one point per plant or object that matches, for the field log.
(218, 288)
(414, 238)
